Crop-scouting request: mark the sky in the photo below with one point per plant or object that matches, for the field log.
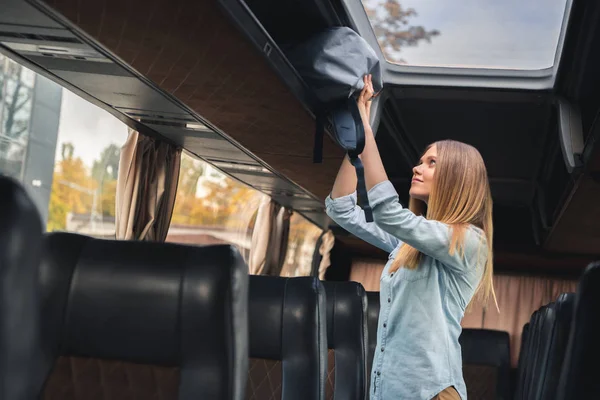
(513, 34)
(89, 128)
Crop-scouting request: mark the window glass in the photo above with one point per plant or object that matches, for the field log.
(301, 247)
(211, 207)
(506, 34)
(16, 97)
(86, 168)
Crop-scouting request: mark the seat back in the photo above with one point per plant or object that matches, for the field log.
(543, 349)
(288, 339)
(372, 321)
(542, 339)
(20, 248)
(486, 363)
(134, 320)
(578, 379)
(346, 340)
(563, 314)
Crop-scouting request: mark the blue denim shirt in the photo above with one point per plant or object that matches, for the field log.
(418, 354)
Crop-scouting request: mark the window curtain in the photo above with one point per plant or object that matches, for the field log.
(518, 297)
(278, 240)
(367, 272)
(146, 188)
(269, 238)
(327, 242)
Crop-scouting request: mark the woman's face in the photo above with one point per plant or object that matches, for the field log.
(422, 180)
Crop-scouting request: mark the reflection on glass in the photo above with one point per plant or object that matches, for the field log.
(15, 114)
(86, 168)
(301, 247)
(211, 207)
(507, 34)
(16, 111)
(12, 156)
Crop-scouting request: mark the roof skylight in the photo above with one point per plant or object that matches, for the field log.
(490, 34)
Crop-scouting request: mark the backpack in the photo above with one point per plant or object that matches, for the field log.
(333, 64)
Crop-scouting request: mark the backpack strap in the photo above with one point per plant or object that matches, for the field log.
(356, 162)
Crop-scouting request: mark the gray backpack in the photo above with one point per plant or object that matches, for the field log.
(333, 64)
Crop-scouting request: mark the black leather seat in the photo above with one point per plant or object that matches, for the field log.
(346, 340)
(143, 320)
(20, 248)
(543, 348)
(563, 315)
(288, 339)
(486, 363)
(372, 321)
(579, 376)
(542, 342)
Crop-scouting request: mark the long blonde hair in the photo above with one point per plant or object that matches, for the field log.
(460, 196)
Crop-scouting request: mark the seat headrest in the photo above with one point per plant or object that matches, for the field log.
(485, 347)
(141, 302)
(20, 248)
(346, 313)
(283, 308)
(565, 306)
(583, 349)
(20, 221)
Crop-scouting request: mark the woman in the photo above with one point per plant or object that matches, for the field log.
(439, 259)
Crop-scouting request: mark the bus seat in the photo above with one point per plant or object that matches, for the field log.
(346, 340)
(532, 354)
(579, 377)
(542, 340)
(372, 321)
(486, 363)
(143, 320)
(563, 310)
(20, 251)
(543, 349)
(288, 339)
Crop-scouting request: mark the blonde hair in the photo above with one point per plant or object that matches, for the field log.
(460, 196)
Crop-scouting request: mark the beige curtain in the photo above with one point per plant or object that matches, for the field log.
(518, 297)
(269, 238)
(368, 273)
(278, 241)
(260, 237)
(327, 242)
(146, 188)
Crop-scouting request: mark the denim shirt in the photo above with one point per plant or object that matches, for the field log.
(418, 354)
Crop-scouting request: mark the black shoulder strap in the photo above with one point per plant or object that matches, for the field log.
(357, 163)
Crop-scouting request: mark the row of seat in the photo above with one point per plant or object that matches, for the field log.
(83, 318)
(559, 346)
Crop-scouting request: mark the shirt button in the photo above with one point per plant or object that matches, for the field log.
(392, 274)
(385, 325)
(389, 299)
(382, 349)
(378, 373)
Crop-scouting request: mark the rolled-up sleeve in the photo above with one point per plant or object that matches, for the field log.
(429, 237)
(347, 214)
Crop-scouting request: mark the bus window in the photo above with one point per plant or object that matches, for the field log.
(211, 207)
(301, 247)
(86, 167)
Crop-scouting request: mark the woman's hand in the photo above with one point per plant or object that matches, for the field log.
(365, 99)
